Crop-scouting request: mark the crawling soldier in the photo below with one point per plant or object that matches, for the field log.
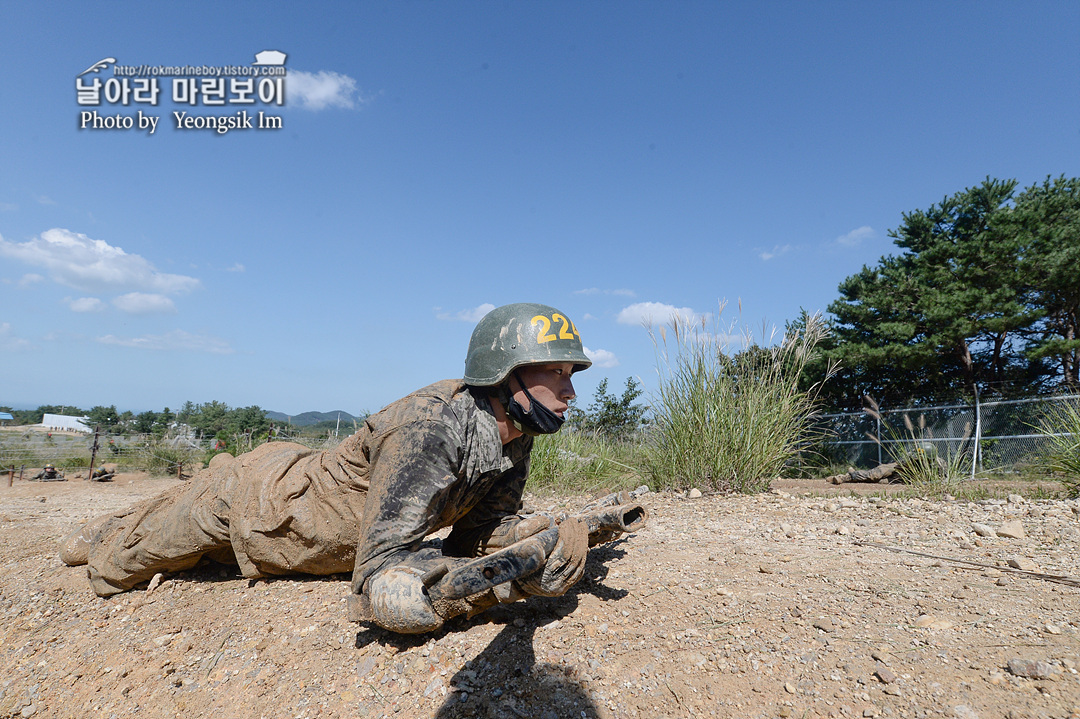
(455, 453)
(48, 473)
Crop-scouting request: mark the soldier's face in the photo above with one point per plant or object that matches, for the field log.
(548, 383)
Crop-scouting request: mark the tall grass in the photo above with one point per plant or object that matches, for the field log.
(927, 467)
(1062, 427)
(580, 462)
(728, 421)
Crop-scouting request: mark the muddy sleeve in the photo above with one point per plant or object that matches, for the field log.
(493, 517)
(414, 472)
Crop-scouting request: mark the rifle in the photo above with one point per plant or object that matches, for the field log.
(606, 519)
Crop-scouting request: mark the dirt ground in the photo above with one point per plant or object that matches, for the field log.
(764, 606)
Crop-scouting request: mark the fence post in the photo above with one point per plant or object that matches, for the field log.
(93, 453)
(878, 434)
(978, 434)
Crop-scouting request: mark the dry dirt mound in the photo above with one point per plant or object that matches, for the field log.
(763, 606)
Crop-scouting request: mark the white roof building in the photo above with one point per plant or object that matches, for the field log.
(65, 423)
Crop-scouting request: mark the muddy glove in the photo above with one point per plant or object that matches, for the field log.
(565, 564)
(514, 532)
(399, 602)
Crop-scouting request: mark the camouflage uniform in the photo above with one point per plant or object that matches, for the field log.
(428, 461)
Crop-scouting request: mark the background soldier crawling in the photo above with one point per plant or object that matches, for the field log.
(455, 453)
(48, 473)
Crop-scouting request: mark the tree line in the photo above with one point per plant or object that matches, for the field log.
(982, 296)
(209, 419)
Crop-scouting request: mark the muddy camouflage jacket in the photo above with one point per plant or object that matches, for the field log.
(432, 460)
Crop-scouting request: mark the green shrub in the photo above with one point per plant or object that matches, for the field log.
(164, 457)
(1061, 424)
(728, 422)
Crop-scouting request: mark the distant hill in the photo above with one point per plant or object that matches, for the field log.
(309, 418)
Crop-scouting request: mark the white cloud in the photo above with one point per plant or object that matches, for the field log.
(648, 313)
(602, 358)
(856, 236)
(9, 342)
(8, 207)
(30, 279)
(320, 90)
(473, 315)
(171, 341)
(76, 261)
(598, 291)
(236, 268)
(86, 304)
(140, 303)
(776, 252)
(43, 200)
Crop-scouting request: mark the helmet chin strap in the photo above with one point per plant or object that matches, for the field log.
(537, 420)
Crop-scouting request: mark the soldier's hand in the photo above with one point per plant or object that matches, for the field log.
(564, 566)
(399, 602)
(509, 534)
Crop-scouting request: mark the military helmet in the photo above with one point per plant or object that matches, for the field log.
(49, 466)
(520, 334)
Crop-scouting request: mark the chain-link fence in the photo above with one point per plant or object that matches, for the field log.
(27, 450)
(998, 436)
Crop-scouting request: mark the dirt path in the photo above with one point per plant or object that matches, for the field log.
(732, 607)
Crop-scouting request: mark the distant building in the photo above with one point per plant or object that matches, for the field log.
(5, 417)
(65, 423)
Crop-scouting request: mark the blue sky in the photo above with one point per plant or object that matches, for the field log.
(614, 160)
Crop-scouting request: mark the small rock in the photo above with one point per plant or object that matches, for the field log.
(694, 493)
(165, 639)
(996, 678)
(983, 530)
(927, 621)
(880, 655)
(891, 690)
(1023, 563)
(30, 709)
(963, 711)
(843, 530)
(1032, 669)
(824, 624)
(1002, 582)
(1051, 628)
(1015, 499)
(885, 675)
(1013, 529)
(155, 582)
(790, 688)
(991, 573)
